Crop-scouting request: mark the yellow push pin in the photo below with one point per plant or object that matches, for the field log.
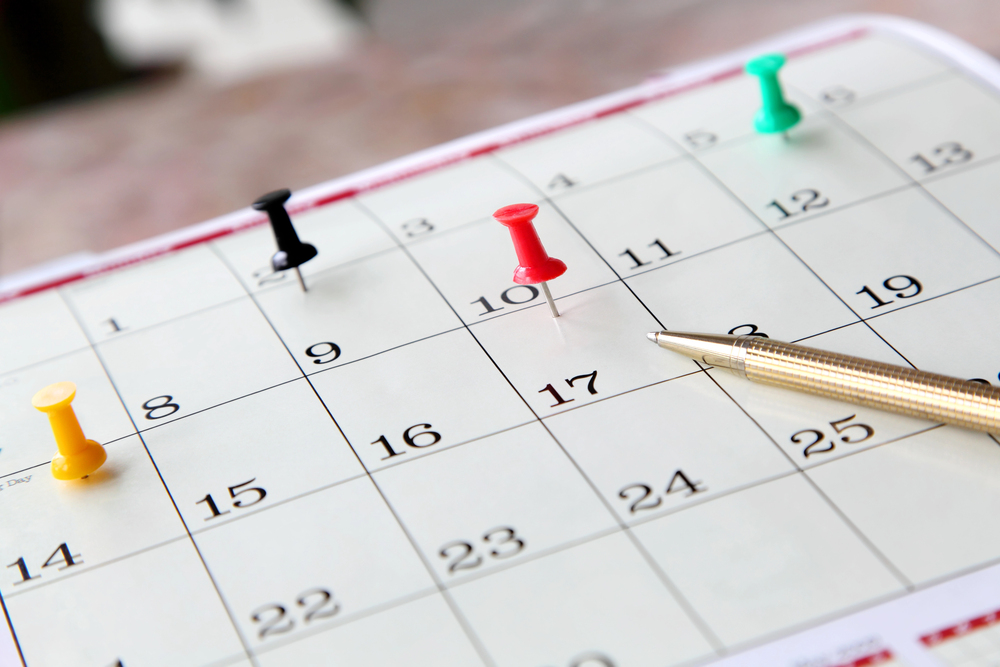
(77, 457)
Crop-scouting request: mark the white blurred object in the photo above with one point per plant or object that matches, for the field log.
(226, 39)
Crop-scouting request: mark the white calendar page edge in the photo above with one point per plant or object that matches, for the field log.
(662, 84)
(896, 626)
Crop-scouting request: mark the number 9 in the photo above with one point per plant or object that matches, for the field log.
(900, 289)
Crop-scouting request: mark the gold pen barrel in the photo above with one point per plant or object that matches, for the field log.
(884, 386)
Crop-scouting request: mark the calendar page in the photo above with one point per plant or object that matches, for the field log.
(413, 463)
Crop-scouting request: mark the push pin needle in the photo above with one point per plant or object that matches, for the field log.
(534, 264)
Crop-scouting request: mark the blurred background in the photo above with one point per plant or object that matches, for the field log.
(123, 119)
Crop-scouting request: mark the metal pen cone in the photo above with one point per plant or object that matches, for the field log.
(711, 349)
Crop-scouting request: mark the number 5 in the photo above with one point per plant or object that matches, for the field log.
(261, 494)
(869, 431)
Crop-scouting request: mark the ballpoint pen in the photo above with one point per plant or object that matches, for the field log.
(879, 385)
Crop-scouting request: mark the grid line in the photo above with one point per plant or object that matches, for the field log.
(170, 495)
(466, 627)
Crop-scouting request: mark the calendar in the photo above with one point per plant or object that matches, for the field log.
(413, 463)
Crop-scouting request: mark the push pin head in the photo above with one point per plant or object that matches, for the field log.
(292, 252)
(534, 264)
(77, 457)
(776, 114)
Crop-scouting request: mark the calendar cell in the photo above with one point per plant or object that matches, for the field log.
(966, 351)
(751, 287)
(870, 256)
(579, 157)
(403, 404)
(968, 193)
(652, 218)
(949, 123)
(667, 460)
(328, 556)
(597, 600)
(195, 362)
(447, 198)
(766, 558)
(184, 282)
(341, 232)
(811, 429)
(559, 364)
(928, 502)
(841, 76)
(820, 168)
(707, 117)
(249, 454)
(493, 502)
(422, 633)
(54, 529)
(357, 310)
(473, 266)
(119, 612)
(27, 437)
(37, 328)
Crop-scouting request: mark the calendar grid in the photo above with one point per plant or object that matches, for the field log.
(902, 172)
(622, 526)
(442, 589)
(166, 488)
(889, 565)
(732, 195)
(864, 539)
(382, 476)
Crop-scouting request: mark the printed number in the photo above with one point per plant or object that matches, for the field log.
(803, 200)
(515, 299)
(667, 253)
(167, 404)
(65, 556)
(841, 428)
(267, 275)
(944, 155)
(700, 139)
(753, 331)
(271, 615)
(893, 285)
(410, 437)
(838, 96)
(643, 500)
(115, 327)
(591, 387)
(233, 493)
(561, 181)
(417, 227)
(503, 542)
(317, 603)
(320, 350)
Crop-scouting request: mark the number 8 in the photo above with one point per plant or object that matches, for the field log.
(167, 404)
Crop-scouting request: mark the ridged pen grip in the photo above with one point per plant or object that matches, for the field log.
(902, 390)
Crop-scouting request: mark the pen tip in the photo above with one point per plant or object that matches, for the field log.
(652, 336)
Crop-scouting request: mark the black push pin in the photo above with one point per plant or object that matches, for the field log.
(292, 252)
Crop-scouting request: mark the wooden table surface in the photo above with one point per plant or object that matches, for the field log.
(129, 164)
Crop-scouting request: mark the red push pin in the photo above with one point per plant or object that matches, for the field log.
(534, 264)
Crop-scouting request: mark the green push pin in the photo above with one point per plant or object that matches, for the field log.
(776, 115)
